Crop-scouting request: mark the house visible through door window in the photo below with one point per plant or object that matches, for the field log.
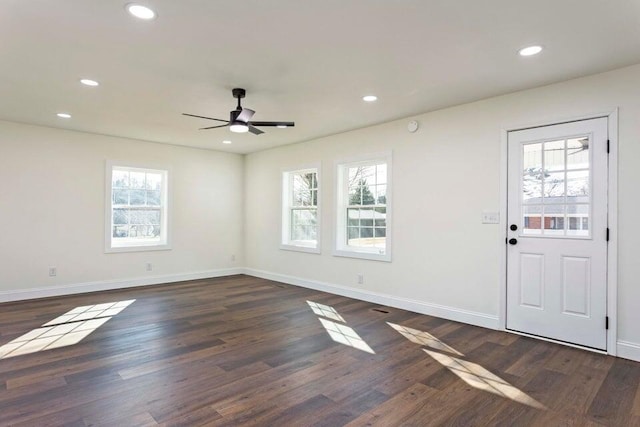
(556, 183)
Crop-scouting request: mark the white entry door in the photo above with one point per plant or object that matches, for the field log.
(557, 232)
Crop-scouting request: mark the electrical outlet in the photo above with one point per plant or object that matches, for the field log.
(360, 278)
(233, 257)
(149, 266)
(53, 271)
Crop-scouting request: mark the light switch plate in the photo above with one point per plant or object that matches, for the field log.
(491, 217)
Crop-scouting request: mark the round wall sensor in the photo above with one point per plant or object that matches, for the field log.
(412, 126)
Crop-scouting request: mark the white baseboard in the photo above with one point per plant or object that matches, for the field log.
(106, 285)
(450, 313)
(628, 350)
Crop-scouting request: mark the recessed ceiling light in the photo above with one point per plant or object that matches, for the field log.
(64, 115)
(530, 50)
(140, 11)
(89, 82)
(281, 126)
(369, 98)
(226, 141)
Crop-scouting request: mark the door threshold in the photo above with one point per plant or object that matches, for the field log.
(565, 343)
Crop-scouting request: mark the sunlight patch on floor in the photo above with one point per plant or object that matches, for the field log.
(478, 377)
(91, 312)
(423, 338)
(68, 329)
(345, 335)
(325, 311)
(338, 332)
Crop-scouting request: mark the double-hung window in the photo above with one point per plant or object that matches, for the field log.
(364, 208)
(136, 217)
(301, 210)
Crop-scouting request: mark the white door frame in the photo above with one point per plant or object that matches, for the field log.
(612, 209)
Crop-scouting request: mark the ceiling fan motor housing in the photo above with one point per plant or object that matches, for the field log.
(238, 93)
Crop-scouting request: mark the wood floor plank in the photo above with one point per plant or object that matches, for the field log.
(241, 350)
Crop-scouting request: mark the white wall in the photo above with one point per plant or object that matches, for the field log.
(52, 196)
(444, 176)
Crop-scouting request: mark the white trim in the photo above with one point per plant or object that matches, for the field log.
(628, 350)
(341, 250)
(612, 249)
(285, 220)
(436, 310)
(613, 346)
(106, 285)
(502, 242)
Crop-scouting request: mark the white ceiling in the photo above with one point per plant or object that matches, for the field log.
(305, 61)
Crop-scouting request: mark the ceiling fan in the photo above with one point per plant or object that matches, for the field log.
(240, 118)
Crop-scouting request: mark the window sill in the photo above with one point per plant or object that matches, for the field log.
(296, 248)
(363, 255)
(139, 248)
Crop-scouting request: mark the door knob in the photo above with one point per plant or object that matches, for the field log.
(513, 241)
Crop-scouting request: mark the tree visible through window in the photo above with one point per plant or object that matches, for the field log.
(367, 208)
(363, 208)
(138, 211)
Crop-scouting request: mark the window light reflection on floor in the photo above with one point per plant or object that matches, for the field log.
(339, 333)
(345, 335)
(478, 377)
(326, 311)
(423, 338)
(68, 329)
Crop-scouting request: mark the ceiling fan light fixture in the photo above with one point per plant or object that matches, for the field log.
(141, 12)
(281, 126)
(369, 98)
(239, 127)
(226, 141)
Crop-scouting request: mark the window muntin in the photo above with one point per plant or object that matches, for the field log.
(363, 208)
(137, 208)
(300, 216)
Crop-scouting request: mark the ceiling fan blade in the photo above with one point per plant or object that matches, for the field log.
(213, 127)
(203, 117)
(245, 115)
(255, 131)
(285, 124)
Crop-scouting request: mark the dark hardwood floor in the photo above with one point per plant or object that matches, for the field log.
(247, 351)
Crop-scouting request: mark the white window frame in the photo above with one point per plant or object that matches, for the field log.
(286, 243)
(165, 196)
(340, 247)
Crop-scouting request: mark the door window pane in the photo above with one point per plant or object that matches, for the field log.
(554, 156)
(532, 223)
(578, 153)
(554, 187)
(577, 184)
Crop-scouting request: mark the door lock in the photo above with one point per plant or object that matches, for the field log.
(513, 227)
(513, 241)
